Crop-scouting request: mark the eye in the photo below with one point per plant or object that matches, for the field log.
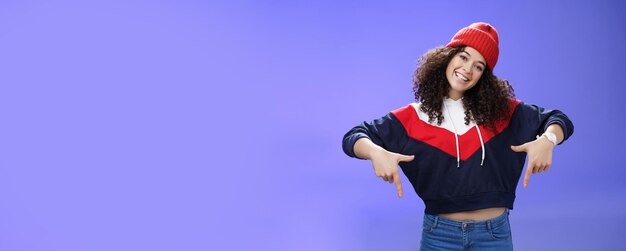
(463, 57)
(480, 68)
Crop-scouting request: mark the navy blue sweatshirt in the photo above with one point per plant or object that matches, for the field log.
(447, 173)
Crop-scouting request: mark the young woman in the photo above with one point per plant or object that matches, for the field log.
(463, 144)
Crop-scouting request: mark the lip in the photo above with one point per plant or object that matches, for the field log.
(460, 75)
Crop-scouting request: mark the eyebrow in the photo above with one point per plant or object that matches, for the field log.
(483, 63)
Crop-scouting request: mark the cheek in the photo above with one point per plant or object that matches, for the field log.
(477, 75)
(449, 71)
(456, 62)
(450, 67)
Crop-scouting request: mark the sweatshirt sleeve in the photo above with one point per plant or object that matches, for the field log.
(386, 132)
(539, 119)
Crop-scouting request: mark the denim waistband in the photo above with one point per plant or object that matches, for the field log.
(487, 224)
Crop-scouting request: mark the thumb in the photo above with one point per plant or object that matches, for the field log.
(406, 158)
(520, 148)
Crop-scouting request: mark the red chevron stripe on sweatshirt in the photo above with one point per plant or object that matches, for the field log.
(443, 139)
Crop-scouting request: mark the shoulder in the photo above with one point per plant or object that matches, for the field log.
(404, 110)
(514, 105)
(513, 102)
(408, 112)
(525, 107)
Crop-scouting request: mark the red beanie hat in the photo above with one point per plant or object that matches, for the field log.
(481, 36)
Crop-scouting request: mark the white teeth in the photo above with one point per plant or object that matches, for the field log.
(461, 76)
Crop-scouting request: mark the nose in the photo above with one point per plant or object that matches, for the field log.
(466, 68)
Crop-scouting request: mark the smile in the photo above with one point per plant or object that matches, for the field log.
(461, 76)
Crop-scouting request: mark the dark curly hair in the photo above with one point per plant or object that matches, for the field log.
(487, 103)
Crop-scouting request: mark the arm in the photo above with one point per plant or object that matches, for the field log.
(385, 163)
(364, 148)
(386, 132)
(540, 150)
(558, 131)
(377, 141)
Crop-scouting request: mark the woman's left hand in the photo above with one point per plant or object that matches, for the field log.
(539, 156)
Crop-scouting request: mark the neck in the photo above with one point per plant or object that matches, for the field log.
(454, 97)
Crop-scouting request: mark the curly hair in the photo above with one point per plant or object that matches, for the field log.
(486, 103)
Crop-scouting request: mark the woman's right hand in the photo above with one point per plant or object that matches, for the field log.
(385, 165)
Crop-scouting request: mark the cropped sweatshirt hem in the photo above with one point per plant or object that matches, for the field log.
(470, 203)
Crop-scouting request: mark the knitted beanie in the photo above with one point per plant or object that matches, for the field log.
(481, 36)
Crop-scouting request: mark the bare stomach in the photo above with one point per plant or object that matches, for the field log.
(476, 215)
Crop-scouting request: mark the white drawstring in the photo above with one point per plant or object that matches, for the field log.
(482, 145)
(456, 137)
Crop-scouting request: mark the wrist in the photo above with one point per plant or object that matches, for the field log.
(550, 136)
(376, 152)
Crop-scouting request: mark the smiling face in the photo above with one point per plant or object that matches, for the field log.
(464, 71)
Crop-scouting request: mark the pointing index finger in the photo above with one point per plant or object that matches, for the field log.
(529, 171)
(396, 180)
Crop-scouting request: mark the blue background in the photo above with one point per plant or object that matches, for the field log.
(195, 125)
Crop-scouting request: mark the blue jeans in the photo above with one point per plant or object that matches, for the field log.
(440, 233)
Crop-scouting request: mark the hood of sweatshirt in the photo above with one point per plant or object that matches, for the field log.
(453, 112)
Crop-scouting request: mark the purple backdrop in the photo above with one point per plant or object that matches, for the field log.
(195, 125)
